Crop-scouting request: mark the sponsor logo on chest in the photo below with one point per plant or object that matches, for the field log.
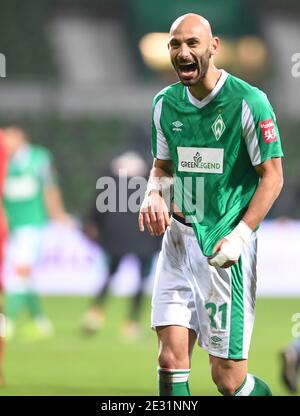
(21, 187)
(200, 160)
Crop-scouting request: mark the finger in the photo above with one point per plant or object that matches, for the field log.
(218, 245)
(154, 218)
(152, 214)
(148, 223)
(167, 218)
(161, 224)
(217, 260)
(141, 222)
(228, 264)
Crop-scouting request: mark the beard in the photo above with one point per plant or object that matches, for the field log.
(200, 72)
(204, 64)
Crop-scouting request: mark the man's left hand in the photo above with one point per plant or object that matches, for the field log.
(228, 250)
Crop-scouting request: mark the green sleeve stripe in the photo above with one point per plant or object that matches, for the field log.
(237, 312)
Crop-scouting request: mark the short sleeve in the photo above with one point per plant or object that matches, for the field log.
(260, 129)
(159, 144)
(47, 170)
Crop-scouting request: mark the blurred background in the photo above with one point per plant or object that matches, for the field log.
(80, 79)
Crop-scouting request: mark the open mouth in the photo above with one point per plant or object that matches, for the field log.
(187, 69)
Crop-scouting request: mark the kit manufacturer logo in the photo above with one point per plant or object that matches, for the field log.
(177, 125)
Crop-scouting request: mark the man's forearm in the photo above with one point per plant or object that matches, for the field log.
(54, 203)
(160, 176)
(158, 172)
(266, 194)
(229, 249)
(154, 212)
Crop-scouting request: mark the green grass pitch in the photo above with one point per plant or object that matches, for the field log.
(106, 364)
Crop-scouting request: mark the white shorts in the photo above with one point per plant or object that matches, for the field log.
(218, 304)
(22, 250)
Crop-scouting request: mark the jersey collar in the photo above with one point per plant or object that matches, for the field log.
(211, 95)
(21, 157)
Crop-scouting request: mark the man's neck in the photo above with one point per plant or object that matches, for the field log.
(21, 152)
(207, 84)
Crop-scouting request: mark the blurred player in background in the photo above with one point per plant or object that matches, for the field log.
(31, 196)
(218, 136)
(118, 234)
(290, 366)
(2, 238)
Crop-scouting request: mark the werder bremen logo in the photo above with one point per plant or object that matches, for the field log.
(218, 127)
(197, 159)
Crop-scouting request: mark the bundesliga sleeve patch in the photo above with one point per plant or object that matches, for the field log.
(268, 131)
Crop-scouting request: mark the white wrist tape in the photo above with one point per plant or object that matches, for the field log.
(163, 185)
(153, 186)
(243, 231)
(231, 249)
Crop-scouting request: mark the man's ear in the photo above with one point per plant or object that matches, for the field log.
(215, 45)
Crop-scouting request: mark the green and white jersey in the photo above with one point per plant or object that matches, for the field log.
(214, 145)
(29, 171)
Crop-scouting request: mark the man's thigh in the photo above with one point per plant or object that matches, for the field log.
(173, 298)
(22, 253)
(23, 246)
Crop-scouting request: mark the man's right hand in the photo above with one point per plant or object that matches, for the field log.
(154, 213)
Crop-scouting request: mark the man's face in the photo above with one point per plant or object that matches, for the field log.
(13, 140)
(190, 54)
